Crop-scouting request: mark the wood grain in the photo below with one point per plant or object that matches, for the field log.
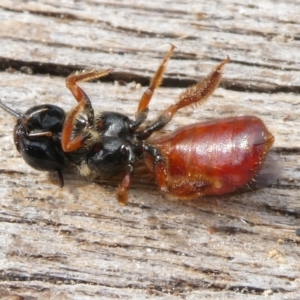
(77, 242)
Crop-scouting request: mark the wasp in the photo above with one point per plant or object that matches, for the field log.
(209, 158)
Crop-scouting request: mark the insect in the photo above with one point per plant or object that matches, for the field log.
(209, 158)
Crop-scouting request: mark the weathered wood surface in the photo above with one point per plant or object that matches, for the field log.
(77, 242)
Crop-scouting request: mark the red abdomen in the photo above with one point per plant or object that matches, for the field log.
(211, 158)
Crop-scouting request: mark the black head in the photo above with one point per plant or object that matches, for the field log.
(37, 137)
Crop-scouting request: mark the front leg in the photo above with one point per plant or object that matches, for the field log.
(78, 92)
(70, 143)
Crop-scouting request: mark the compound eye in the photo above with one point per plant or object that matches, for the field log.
(52, 119)
(46, 117)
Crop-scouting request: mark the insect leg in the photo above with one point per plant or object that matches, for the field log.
(159, 166)
(201, 91)
(122, 192)
(79, 94)
(67, 144)
(196, 94)
(84, 104)
(142, 110)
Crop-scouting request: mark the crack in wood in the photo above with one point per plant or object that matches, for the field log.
(35, 67)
